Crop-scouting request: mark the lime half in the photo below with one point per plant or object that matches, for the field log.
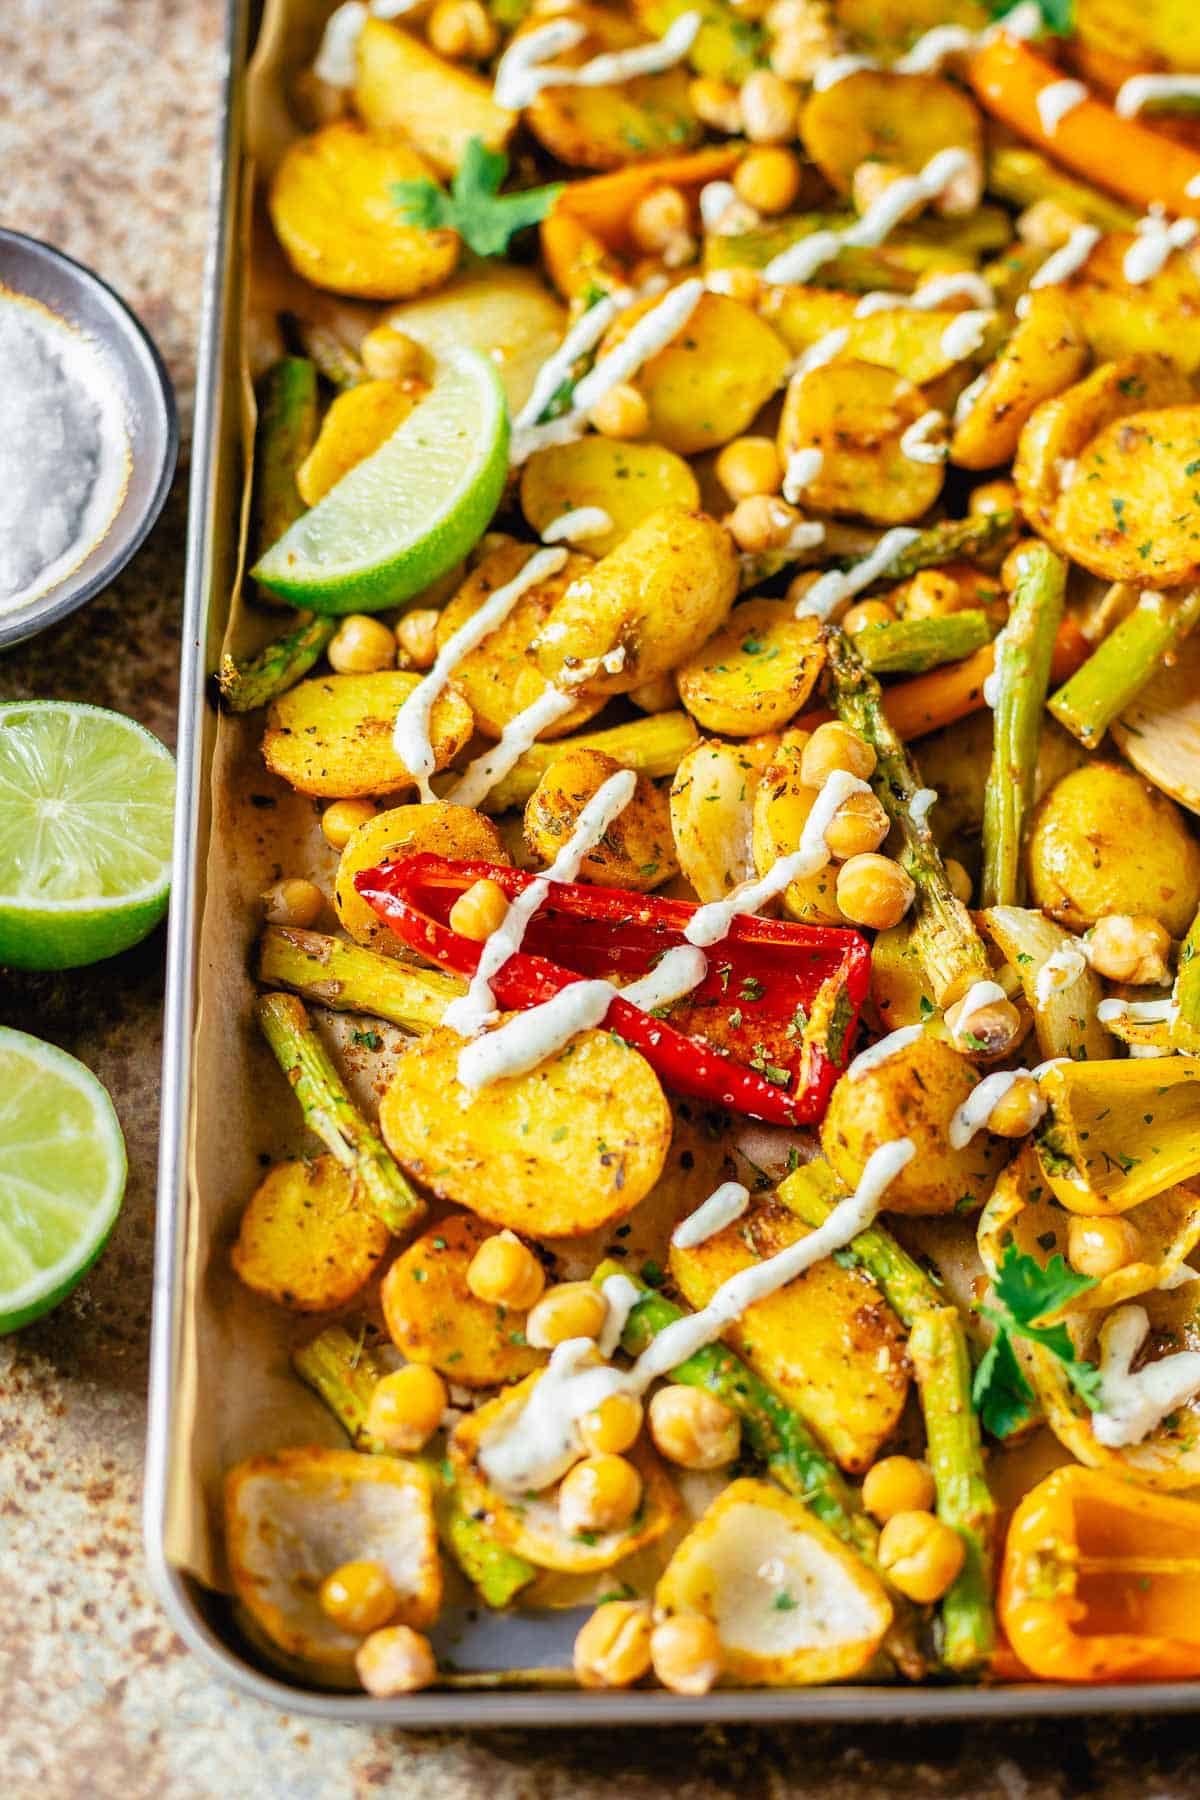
(62, 1175)
(86, 804)
(408, 513)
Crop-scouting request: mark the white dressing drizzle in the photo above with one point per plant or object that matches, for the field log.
(525, 69)
(837, 585)
(722, 1207)
(538, 1443)
(336, 59)
(1144, 1012)
(410, 734)
(968, 397)
(1069, 259)
(1056, 101)
(821, 352)
(1060, 969)
(527, 440)
(1133, 1403)
(622, 1296)
(977, 996)
(921, 805)
(915, 442)
(709, 924)
(722, 210)
(581, 522)
(652, 333)
(958, 284)
(1146, 90)
(800, 261)
(1155, 240)
(837, 68)
(888, 1046)
(519, 735)
(965, 333)
(970, 1118)
(580, 340)
(1192, 190)
(803, 467)
(935, 48)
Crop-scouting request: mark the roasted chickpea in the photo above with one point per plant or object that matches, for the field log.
(986, 1030)
(1099, 1247)
(462, 30)
(396, 1660)
(1017, 1112)
(361, 645)
(693, 1428)
(1047, 224)
(856, 618)
(858, 826)
(803, 37)
(293, 902)
(992, 497)
(573, 1309)
(920, 1555)
(897, 1484)
(686, 1653)
(391, 355)
(762, 522)
(1133, 948)
(612, 1426)
(612, 1649)
(873, 890)
(505, 1272)
(1010, 568)
(406, 1407)
(716, 104)
(621, 413)
(769, 108)
(748, 466)
(870, 181)
(931, 594)
(416, 635)
(659, 218)
(340, 821)
(835, 746)
(479, 910)
(601, 1493)
(359, 1597)
(768, 179)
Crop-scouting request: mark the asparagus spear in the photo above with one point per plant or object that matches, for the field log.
(943, 933)
(1185, 1026)
(937, 1345)
(347, 978)
(344, 1372)
(329, 1112)
(953, 538)
(920, 246)
(334, 359)
(1023, 176)
(654, 746)
(287, 429)
(911, 646)
(1114, 673)
(278, 666)
(1021, 677)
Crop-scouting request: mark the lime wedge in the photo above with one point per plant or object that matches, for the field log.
(86, 803)
(408, 513)
(62, 1175)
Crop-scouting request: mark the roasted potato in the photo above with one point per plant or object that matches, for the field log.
(828, 1342)
(1129, 511)
(913, 1094)
(504, 311)
(656, 597)
(756, 672)
(304, 1241)
(1104, 841)
(855, 414)
(332, 735)
(712, 800)
(874, 115)
(1163, 320)
(433, 1317)
(438, 829)
(357, 423)
(911, 342)
(333, 212)
(295, 1517)
(607, 127)
(1043, 356)
(782, 804)
(653, 746)
(571, 1145)
(500, 678)
(707, 385)
(636, 852)
(628, 481)
(404, 86)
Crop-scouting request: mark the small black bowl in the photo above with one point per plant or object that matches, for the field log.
(38, 272)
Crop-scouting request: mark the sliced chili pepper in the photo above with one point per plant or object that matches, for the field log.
(766, 1033)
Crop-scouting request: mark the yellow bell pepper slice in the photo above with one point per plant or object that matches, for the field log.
(1116, 1133)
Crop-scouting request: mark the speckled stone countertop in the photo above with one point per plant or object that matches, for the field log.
(106, 118)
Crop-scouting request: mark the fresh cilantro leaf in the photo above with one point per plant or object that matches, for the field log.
(1030, 1290)
(1001, 1395)
(484, 218)
(1025, 1292)
(1058, 16)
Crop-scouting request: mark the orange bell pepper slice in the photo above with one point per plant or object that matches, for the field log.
(1101, 1581)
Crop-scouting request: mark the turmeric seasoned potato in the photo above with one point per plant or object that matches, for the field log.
(902, 120)
(756, 672)
(500, 678)
(628, 481)
(911, 342)
(607, 127)
(357, 423)
(434, 1318)
(1163, 321)
(856, 414)
(636, 852)
(1042, 357)
(1129, 511)
(438, 829)
(304, 1241)
(706, 387)
(333, 212)
(439, 106)
(504, 311)
(572, 1144)
(1059, 430)
(828, 1343)
(295, 1517)
(656, 597)
(712, 799)
(782, 804)
(1105, 841)
(913, 1094)
(332, 735)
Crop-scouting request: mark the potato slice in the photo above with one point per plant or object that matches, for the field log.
(782, 804)
(900, 990)
(1164, 320)
(1043, 356)
(294, 1517)
(1059, 430)
(501, 677)
(876, 116)
(434, 1318)
(856, 414)
(1129, 511)
(707, 385)
(439, 829)
(303, 1241)
(332, 735)
(1102, 841)
(333, 212)
(712, 799)
(357, 423)
(828, 1342)
(636, 852)
(627, 481)
(504, 311)
(656, 597)
(914, 1093)
(756, 672)
(402, 85)
(792, 1605)
(571, 1145)
(529, 1523)
(1159, 732)
(607, 127)
(911, 342)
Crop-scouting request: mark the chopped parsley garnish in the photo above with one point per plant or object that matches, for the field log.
(1024, 1292)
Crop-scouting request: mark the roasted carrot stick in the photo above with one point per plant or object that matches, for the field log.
(590, 221)
(928, 702)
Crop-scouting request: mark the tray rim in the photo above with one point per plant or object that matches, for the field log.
(181, 1595)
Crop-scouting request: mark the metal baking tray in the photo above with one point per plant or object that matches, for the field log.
(202, 1618)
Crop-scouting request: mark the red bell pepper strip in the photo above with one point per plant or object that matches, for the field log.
(766, 1033)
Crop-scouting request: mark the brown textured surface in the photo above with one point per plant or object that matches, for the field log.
(105, 123)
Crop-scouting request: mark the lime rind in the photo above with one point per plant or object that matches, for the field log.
(62, 1175)
(408, 513)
